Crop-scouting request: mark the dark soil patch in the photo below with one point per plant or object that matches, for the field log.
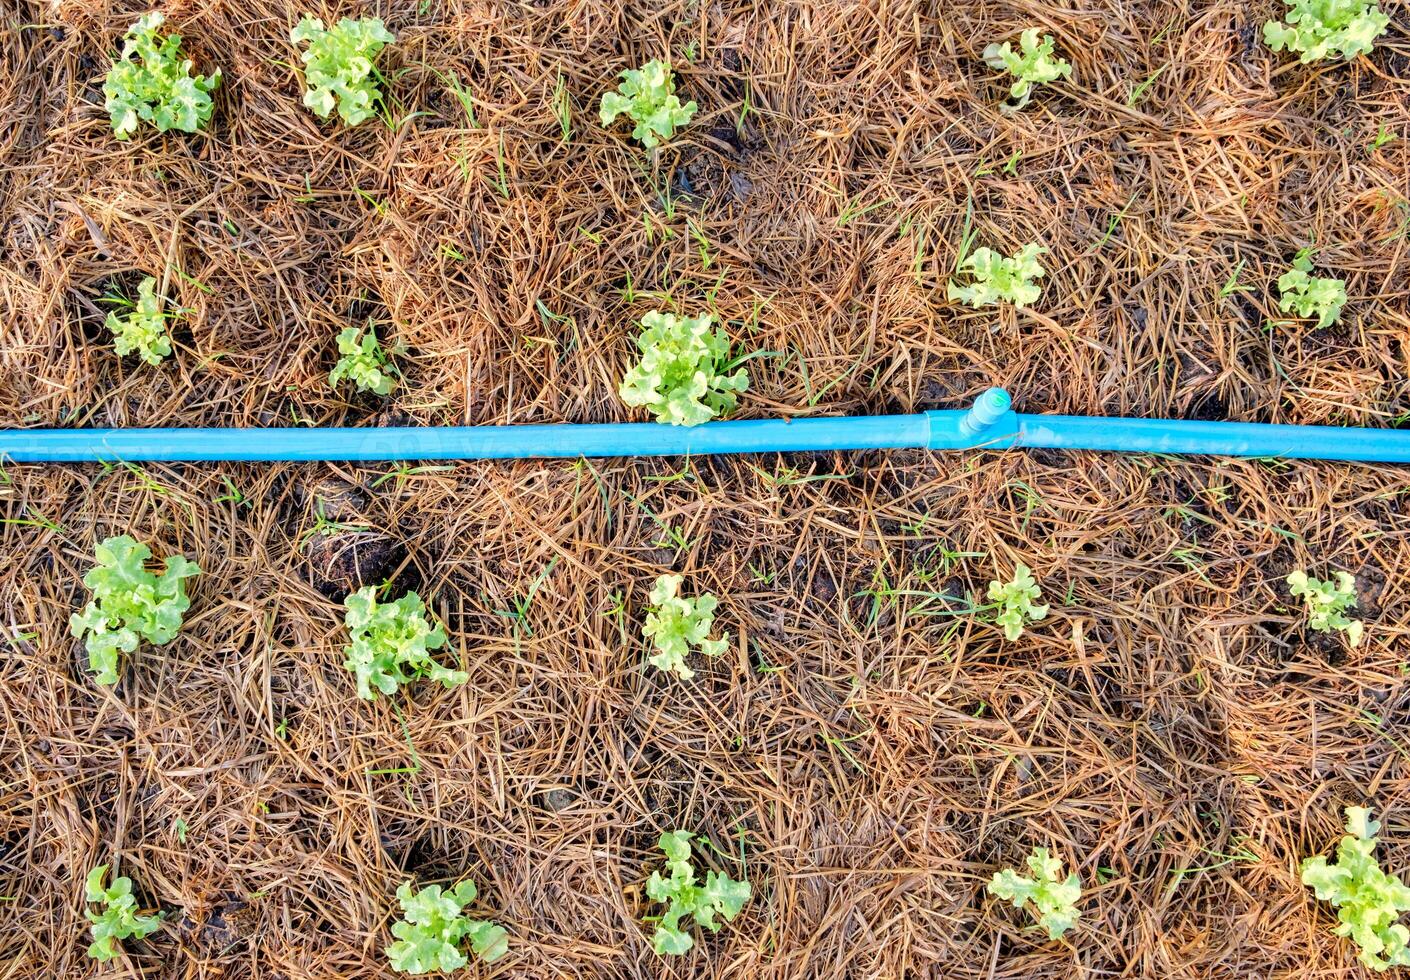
(1208, 407)
(218, 931)
(340, 563)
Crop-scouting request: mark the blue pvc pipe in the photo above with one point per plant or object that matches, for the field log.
(1179, 437)
(465, 442)
(989, 424)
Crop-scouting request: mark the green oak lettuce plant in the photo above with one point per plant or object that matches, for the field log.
(685, 898)
(129, 604)
(151, 81)
(1054, 899)
(1327, 603)
(1318, 29)
(433, 928)
(118, 919)
(1034, 63)
(674, 624)
(1368, 901)
(1001, 280)
(392, 643)
(143, 330)
(682, 377)
(1016, 600)
(338, 65)
(1309, 296)
(362, 362)
(648, 97)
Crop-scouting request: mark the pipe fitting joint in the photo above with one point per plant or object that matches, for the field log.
(987, 409)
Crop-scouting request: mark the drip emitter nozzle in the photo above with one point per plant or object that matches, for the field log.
(990, 423)
(988, 409)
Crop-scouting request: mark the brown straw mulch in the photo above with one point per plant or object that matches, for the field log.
(1171, 730)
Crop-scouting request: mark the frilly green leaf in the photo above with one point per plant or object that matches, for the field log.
(391, 644)
(130, 604)
(1033, 64)
(1309, 296)
(680, 375)
(433, 926)
(1001, 280)
(675, 624)
(1054, 900)
(647, 96)
(338, 65)
(1318, 29)
(151, 81)
(1017, 602)
(362, 362)
(1327, 603)
(118, 919)
(143, 330)
(1368, 901)
(685, 899)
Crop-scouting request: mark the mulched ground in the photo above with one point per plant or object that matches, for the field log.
(1170, 729)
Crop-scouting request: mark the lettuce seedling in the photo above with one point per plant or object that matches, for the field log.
(1327, 603)
(392, 644)
(648, 96)
(1015, 600)
(361, 362)
(1054, 901)
(1317, 29)
(433, 926)
(158, 86)
(681, 375)
(674, 625)
(1368, 901)
(997, 279)
(1308, 296)
(130, 604)
(1033, 64)
(338, 65)
(720, 895)
(119, 918)
(144, 329)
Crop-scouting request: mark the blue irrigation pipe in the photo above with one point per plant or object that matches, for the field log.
(990, 423)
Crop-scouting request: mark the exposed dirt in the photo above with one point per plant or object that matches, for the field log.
(219, 931)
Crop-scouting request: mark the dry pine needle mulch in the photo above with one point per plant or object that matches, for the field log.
(1171, 729)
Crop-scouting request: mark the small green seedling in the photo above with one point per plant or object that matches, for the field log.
(338, 65)
(681, 377)
(1327, 603)
(1001, 280)
(675, 624)
(433, 926)
(720, 895)
(1318, 29)
(119, 919)
(156, 87)
(361, 362)
(1033, 64)
(142, 331)
(1054, 901)
(130, 604)
(1308, 296)
(392, 644)
(1015, 600)
(1368, 901)
(648, 97)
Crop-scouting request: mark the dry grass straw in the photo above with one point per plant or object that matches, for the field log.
(1170, 729)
